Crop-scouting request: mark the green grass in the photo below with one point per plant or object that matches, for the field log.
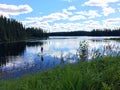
(98, 74)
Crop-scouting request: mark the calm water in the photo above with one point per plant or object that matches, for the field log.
(17, 59)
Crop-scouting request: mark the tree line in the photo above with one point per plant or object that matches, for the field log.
(94, 32)
(12, 30)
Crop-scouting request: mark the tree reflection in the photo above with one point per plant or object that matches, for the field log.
(11, 50)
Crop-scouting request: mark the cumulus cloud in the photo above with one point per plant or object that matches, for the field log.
(48, 18)
(92, 24)
(57, 27)
(104, 4)
(85, 25)
(72, 8)
(107, 23)
(65, 11)
(68, 10)
(63, 15)
(44, 22)
(108, 10)
(90, 14)
(43, 25)
(48, 22)
(12, 10)
(77, 17)
(71, 17)
(101, 3)
(54, 17)
(112, 21)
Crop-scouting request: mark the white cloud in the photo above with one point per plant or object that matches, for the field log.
(72, 8)
(67, 0)
(54, 22)
(108, 23)
(65, 11)
(44, 25)
(46, 22)
(49, 18)
(12, 10)
(112, 21)
(64, 15)
(59, 27)
(54, 17)
(92, 24)
(108, 10)
(90, 14)
(85, 25)
(100, 3)
(104, 4)
(77, 17)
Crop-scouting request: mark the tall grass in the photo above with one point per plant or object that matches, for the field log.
(85, 53)
(98, 74)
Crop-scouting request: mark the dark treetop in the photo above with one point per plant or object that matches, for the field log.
(12, 30)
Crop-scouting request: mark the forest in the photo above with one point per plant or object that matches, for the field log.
(95, 32)
(12, 30)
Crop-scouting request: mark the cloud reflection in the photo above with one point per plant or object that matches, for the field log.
(55, 52)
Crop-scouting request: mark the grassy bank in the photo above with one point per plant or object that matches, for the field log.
(99, 74)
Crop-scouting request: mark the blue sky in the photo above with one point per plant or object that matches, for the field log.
(63, 15)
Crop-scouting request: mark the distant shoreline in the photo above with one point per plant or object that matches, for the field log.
(113, 39)
(95, 33)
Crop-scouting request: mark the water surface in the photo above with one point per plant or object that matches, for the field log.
(17, 59)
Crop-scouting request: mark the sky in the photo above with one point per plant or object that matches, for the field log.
(63, 15)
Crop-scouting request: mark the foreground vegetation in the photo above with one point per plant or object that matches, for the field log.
(98, 74)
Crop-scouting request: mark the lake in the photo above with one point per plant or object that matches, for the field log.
(31, 56)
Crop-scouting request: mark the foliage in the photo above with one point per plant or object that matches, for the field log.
(98, 74)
